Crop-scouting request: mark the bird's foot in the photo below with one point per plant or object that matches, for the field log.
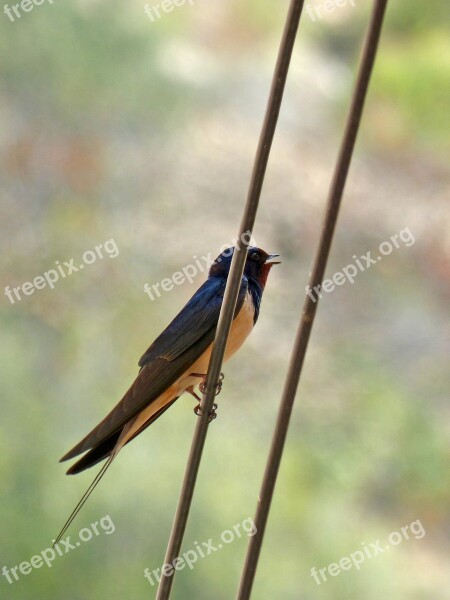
(218, 386)
(212, 415)
(202, 387)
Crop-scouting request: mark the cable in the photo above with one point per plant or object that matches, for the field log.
(232, 289)
(310, 306)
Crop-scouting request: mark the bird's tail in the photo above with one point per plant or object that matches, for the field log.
(108, 448)
(114, 452)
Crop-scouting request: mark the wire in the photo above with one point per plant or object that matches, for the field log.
(310, 306)
(232, 289)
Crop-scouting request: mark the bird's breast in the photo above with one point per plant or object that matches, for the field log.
(239, 331)
(241, 327)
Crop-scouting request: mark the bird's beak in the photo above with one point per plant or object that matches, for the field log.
(272, 262)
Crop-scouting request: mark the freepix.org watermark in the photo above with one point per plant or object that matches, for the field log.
(356, 558)
(190, 271)
(321, 9)
(202, 550)
(156, 11)
(25, 6)
(47, 556)
(361, 264)
(50, 277)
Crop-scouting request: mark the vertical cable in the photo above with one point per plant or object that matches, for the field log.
(232, 290)
(310, 306)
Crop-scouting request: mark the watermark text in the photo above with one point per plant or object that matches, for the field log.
(48, 555)
(356, 558)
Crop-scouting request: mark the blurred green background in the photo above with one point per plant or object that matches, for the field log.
(114, 126)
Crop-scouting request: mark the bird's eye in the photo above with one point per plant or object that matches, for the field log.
(255, 256)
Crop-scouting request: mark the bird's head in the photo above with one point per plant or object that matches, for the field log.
(257, 265)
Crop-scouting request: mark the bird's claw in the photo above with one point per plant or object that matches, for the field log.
(212, 415)
(218, 386)
(202, 387)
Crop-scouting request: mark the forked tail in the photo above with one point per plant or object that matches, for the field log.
(115, 451)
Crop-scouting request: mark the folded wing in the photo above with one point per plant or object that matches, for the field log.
(170, 355)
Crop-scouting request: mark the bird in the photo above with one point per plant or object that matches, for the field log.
(176, 362)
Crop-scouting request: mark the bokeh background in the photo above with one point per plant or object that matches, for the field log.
(116, 127)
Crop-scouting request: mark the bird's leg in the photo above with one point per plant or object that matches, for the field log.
(190, 389)
(212, 415)
(197, 409)
(202, 386)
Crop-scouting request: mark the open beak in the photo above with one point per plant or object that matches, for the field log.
(272, 262)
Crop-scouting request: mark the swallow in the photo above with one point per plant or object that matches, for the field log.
(175, 363)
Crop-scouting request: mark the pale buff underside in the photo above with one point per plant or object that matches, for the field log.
(240, 329)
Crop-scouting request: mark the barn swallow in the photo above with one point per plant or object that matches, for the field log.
(176, 362)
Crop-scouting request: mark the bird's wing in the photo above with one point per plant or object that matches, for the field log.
(195, 320)
(170, 355)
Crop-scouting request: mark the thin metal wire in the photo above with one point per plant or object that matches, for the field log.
(232, 289)
(310, 306)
